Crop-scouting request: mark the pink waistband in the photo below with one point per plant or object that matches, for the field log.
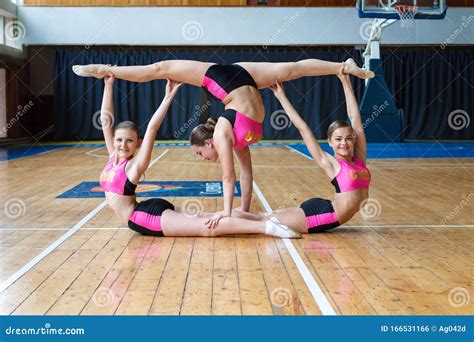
(146, 220)
(214, 88)
(321, 219)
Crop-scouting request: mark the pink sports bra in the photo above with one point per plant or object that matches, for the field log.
(114, 179)
(351, 176)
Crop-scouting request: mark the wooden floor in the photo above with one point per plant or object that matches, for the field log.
(397, 258)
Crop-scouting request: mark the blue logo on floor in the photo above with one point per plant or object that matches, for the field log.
(155, 189)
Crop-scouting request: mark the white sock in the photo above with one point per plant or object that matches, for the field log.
(280, 230)
(87, 71)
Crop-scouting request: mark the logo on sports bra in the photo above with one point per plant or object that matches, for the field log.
(359, 174)
(252, 137)
(107, 177)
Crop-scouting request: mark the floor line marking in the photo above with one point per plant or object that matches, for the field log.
(316, 292)
(14, 277)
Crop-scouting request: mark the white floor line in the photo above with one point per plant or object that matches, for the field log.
(316, 292)
(294, 149)
(51, 247)
(157, 158)
(91, 153)
(14, 277)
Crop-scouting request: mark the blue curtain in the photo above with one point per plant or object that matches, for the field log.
(427, 83)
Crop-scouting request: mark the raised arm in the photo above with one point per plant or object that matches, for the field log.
(143, 157)
(107, 113)
(323, 159)
(360, 146)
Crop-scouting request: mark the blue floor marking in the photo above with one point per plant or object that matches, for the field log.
(156, 189)
(11, 153)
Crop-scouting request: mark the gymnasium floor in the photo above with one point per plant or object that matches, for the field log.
(409, 252)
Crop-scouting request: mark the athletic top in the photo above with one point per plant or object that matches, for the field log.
(246, 130)
(220, 80)
(114, 179)
(351, 176)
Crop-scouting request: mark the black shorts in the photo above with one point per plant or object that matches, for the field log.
(220, 80)
(320, 215)
(146, 219)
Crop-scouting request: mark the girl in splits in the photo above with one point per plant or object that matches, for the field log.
(237, 87)
(346, 169)
(129, 159)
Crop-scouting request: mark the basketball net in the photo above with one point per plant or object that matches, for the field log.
(407, 14)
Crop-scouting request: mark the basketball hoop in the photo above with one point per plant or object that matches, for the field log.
(407, 14)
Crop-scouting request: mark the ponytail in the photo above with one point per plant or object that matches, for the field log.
(203, 132)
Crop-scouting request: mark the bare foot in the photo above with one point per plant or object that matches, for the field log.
(350, 67)
(91, 70)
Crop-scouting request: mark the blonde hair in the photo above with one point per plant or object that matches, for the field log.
(128, 125)
(203, 132)
(335, 125)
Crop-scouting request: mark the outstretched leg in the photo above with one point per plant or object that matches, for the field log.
(294, 218)
(267, 74)
(291, 217)
(259, 216)
(184, 71)
(176, 224)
